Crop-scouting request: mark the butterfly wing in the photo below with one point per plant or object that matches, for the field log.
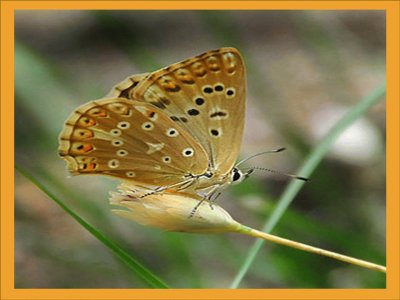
(205, 95)
(125, 87)
(131, 140)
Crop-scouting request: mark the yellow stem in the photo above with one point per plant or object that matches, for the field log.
(304, 247)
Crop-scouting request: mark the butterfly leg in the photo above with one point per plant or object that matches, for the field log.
(196, 207)
(214, 191)
(208, 197)
(187, 182)
(215, 199)
(205, 198)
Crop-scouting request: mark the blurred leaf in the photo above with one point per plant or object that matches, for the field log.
(145, 274)
(308, 167)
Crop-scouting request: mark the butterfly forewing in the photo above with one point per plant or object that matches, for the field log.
(205, 95)
(124, 88)
(131, 140)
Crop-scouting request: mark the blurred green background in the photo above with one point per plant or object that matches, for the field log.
(305, 69)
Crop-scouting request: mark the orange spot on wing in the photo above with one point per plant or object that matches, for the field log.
(83, 148)
(87, 148)
(91, 166)
(87, 122)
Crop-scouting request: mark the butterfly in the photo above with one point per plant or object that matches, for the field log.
(177, 128)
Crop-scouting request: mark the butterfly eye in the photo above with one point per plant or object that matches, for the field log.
(236, 176)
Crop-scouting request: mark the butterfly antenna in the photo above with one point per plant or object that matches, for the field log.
(258, 154)
(280, 173)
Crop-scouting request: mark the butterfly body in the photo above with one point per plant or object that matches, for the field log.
(179, 127)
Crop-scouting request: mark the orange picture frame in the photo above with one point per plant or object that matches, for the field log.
(8, 291)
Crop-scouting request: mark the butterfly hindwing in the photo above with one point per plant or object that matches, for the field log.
(131, 140)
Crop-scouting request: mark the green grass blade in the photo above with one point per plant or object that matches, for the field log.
(308, 167)
(145, 274)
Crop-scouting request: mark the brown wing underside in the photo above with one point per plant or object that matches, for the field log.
(205, 95)
(131, 140)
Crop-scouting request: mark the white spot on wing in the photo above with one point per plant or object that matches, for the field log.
(122, 152)
(113, 163)
(117, 143)
(172, 132)
(115, 132)
(154, 147)
(230, 92)
(141, 109)
(154, 117)
(123, 125)
(166, 159)
(187, 152)
(130, 174)
(147, 126)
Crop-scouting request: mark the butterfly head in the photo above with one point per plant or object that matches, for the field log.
(237, 176)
